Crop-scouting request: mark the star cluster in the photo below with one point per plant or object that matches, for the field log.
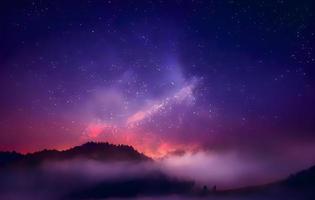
(159, 75)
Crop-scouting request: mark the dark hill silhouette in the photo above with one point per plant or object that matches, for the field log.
(297, 186)
(9, 157)
(75, 185)
(304, 179)
(91, 150)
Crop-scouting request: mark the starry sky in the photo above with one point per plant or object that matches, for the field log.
(163, 76)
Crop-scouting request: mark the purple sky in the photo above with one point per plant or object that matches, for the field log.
(184, 76)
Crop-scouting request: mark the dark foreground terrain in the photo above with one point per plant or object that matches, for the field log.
(102, 170)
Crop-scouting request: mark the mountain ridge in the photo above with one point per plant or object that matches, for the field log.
(99, 151)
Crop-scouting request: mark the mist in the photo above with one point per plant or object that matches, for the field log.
(60, 179)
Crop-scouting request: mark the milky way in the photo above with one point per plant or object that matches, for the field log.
(165, 77)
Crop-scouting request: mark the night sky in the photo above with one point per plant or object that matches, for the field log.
(162, 76)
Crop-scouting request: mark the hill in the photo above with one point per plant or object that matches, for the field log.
(300, 185)
(91, 150)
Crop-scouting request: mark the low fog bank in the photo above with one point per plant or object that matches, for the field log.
(80, 178)
(184, 172)
(235, 168)
(227, 170)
